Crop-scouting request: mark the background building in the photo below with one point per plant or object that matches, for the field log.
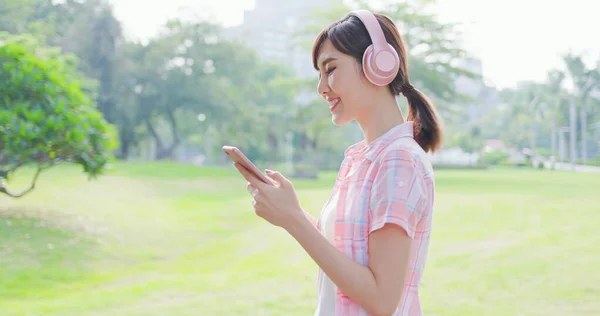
(271, 26)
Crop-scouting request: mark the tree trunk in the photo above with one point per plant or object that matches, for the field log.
(125, 146)
(274, 147)
(303, 147)
(562, 146)
(163, 154)
(532, 143)
(160, 147)
(168, 153)
(553, 136)
(573, 133)
(313, 152)
(584, 132)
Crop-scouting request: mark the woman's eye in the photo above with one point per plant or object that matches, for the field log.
(328, 71)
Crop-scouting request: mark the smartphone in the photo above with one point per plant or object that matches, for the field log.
(237, 156)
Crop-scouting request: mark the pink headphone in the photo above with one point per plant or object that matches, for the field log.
(380, 60)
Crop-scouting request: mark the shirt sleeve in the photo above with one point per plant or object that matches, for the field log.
(397, 193)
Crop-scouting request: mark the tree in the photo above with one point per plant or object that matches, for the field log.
(89, 30)
(189, 69)
(45, 118)
(13, 13)
(530, 114)
(177, 76)
(584, 80)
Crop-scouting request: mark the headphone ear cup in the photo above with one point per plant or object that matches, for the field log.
(366, 60)
(387, 59)
(394, 61)
(396, 58)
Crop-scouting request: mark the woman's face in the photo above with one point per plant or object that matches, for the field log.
(341, 83)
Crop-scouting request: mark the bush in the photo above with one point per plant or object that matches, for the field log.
(305, 171)
(493, 158)
(45, 118)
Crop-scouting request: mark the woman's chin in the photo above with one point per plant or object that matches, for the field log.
(339, 120)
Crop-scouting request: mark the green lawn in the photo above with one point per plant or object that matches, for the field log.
(180, 240)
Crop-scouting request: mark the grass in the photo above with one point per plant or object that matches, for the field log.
(166, 239)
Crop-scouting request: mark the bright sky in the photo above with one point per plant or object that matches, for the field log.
(515, 39)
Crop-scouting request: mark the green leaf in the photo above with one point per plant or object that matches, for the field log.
(45, 113)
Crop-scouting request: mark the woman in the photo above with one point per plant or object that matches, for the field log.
(371, 238)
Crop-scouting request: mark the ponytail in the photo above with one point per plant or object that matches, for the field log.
(427, 127)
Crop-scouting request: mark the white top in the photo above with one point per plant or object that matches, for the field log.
(327, 289)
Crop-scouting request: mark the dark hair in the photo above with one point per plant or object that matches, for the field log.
(350, 37)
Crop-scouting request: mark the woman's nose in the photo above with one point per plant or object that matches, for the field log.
(323, 88)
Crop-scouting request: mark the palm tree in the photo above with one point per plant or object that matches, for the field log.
(584, 81)
(553, 98)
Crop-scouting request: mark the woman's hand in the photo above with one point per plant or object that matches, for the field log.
(278, 204)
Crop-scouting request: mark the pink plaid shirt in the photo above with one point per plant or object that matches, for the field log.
(389, 181)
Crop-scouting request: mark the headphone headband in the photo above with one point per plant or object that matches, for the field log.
(380, 60)
(373, 28)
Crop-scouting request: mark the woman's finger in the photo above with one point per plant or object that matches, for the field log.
(252, 190)
(250, 177)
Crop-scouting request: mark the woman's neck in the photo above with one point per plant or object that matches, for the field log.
(383, 115)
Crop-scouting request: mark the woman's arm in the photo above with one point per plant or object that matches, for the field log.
(310, 218)
(378, 287)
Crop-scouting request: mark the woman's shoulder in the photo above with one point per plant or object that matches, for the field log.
(405, 151)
